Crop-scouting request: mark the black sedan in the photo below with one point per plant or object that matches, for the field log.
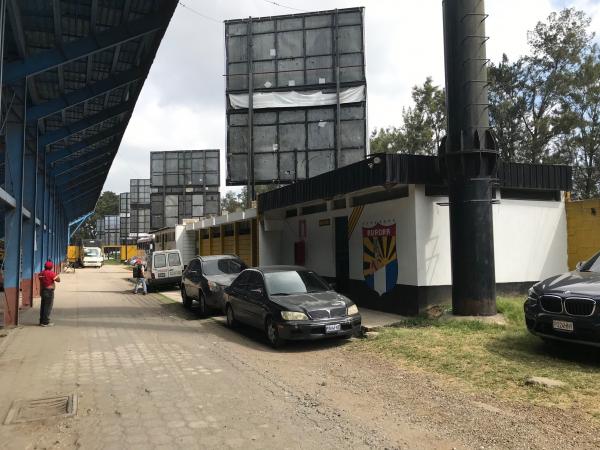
(205, 278)
(290, 303)
(567, 307)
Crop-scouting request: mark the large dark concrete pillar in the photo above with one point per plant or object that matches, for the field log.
(470, 158)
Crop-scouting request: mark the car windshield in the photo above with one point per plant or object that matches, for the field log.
(294, 282)
(224, 266)
(91, 252)
(592, 264)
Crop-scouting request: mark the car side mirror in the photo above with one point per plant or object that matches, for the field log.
(257, 292)
(579, 265)
(333, 285)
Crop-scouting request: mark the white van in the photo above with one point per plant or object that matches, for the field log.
(92, 257)
(163, 267)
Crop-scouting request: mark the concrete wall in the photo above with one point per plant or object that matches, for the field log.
(530, 242)
(186, 243)
(583, 224)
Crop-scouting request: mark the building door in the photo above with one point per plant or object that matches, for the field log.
(342, 253)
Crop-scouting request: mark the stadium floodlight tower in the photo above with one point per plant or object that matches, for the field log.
(470, 157)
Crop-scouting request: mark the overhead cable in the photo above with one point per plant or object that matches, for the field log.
(212, 19)
(281, 5)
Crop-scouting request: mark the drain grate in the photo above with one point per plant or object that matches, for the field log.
(41, 408)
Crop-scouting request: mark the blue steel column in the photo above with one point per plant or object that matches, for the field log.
(42, 214)
(14, 161)
(50, 255)
(46, 236)
(35, 232)
(28, 238)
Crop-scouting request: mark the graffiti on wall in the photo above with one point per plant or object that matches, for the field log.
(380, 260)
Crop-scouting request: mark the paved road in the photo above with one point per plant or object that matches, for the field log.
(151, 375)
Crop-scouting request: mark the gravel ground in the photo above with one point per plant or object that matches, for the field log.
(153, 375)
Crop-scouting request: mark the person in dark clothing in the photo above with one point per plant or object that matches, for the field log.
(48, 280)
(138, 275)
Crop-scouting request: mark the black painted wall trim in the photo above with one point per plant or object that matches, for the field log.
(411, 300)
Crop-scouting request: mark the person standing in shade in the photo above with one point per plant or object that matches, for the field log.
(138, 275)
(48, 280)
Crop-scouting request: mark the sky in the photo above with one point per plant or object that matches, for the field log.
(182, 104)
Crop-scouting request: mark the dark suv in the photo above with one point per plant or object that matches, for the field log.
(567, 307)
(205, 278)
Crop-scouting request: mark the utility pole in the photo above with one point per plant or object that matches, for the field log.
(470, 157)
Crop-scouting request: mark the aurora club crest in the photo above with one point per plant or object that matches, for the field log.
(380, 260)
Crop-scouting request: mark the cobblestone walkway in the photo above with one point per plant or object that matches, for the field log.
(147, 374)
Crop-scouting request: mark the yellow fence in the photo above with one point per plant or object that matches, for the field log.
(73, 253)
(583, 227)
(128, 251)
(239, 238)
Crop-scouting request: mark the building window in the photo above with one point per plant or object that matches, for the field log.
(313, 209)
(291, 213)
(339, 204)
(381, 196)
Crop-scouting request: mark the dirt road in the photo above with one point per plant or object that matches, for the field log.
(151, 375)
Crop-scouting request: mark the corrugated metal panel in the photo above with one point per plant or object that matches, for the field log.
(245, 251)
(215, 246)
(382, 170)
(535, 176)
(204, 247)
(228, 245)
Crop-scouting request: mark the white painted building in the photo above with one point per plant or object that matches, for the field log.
(381, 230)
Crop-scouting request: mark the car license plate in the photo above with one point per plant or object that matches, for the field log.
(562, 325)
(333, 328)
(161, 275)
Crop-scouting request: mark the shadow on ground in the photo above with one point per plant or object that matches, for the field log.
(524, 347)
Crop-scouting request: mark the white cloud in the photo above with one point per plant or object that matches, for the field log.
(182, 105)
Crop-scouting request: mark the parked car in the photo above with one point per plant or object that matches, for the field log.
(567, 307)
(205, 278)
(163, 268)
(290, 303)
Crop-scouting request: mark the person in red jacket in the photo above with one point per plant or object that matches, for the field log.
(48, 280)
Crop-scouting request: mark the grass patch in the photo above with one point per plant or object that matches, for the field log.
(494, 358)
(112, 262)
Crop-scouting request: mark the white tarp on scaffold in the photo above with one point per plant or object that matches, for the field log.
(294, 99)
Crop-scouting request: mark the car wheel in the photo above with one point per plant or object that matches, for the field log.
(202, 301)
(231, 322)
(273, 334)
(187, 301)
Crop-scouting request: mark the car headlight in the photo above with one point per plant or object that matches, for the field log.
(353, 309)
(532, 296)
(293, 315)
(214, 287)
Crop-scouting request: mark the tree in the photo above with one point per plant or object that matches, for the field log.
(507, 108)
(232, 202)
(237, 201)
(525, 96)
(580, 126)
(423, 124)
(107, 205)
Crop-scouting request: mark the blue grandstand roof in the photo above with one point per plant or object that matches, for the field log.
(85, 62)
